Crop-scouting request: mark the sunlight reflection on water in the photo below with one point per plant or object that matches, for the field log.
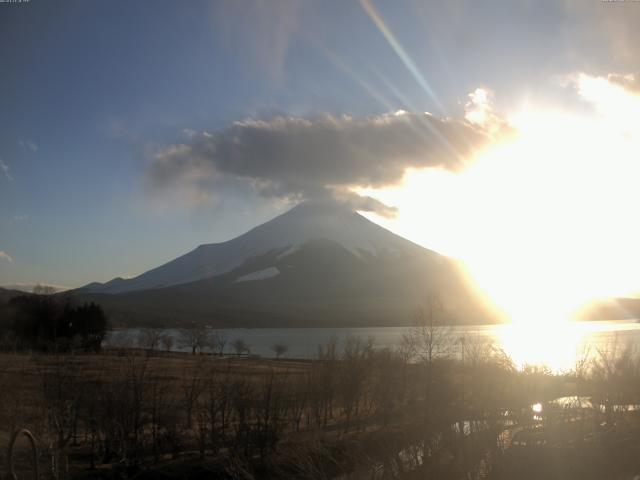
(561, 346)
(554, 346)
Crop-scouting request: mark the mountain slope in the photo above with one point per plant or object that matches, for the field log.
(306, 222)
(7, 294)
(318, 264)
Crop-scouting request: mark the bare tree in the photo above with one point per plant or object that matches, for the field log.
(160, 409)
(120, 340)
(614, 373)
(353, 374)
(43, 289)
(191, 389)
(322, 381)
(62, 393)
(149, 339)
(213, 341)
(269, 410)
(388, 382)
(220, 341)
(136, 376)
(428, 341)
(167, 342)
(279, 349)
(210, 412)
(430, 337)
(481, 349)
(195, 338)
(329, 351)
(240, 346)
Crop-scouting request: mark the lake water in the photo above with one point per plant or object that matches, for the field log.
(557, 346)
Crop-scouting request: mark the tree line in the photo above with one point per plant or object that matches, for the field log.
(197, 339)
(48, 323)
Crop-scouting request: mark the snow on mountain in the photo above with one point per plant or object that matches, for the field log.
(259, 275)
(284, 234)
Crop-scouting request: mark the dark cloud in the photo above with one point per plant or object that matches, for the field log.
(289, 157)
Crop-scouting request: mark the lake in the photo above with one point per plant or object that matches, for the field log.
(558, 346)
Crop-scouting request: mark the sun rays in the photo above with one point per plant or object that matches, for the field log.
(542, 221)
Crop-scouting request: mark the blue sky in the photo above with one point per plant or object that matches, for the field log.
(90, 91)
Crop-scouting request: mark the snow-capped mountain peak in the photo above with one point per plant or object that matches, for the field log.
(307, 222)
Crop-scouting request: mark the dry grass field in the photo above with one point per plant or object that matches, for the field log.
(353, 413)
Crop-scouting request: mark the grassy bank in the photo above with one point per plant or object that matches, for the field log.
(353, 412)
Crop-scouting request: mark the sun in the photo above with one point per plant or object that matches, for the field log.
(545, 221)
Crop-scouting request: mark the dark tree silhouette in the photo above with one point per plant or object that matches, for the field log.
(41, 322)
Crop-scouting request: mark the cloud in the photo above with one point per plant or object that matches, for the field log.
(322, 156)
(628, 81)
(30, 145)
(5, 256)
(613, 96)
(4, 169)
(479, 111)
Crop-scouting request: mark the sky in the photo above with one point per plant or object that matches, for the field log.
(131, 132)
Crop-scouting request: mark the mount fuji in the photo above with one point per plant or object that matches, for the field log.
(319, 264)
